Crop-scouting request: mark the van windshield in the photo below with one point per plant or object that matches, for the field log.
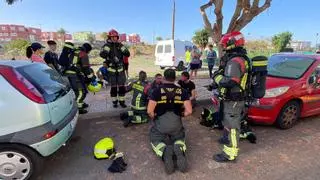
(288, 66)
(48, 81)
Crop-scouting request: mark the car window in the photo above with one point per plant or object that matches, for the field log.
(167, 49)
(160, 49)
(316, 76)
(49, 82)
(288, 66)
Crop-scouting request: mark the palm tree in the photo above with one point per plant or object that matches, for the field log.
(62, 32)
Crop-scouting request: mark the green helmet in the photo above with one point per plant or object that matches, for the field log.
(104, 149)
(94, 87)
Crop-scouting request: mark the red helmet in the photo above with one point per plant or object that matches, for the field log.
(232, 40)
(113, 33)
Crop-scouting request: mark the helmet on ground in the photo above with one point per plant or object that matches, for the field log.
(113, 33)
(232, 40)
(94, 87)
(104, 148)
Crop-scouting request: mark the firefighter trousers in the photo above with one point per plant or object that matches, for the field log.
(138, 116)
(232, 114)
(118, 89)
(160, 137)
(79, 88)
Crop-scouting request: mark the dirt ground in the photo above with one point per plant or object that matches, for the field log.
(279, 154)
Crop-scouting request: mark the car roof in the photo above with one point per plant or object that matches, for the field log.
(313, 56)
(15, 63)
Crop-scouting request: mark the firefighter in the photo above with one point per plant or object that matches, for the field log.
(113, 52)
(138, 113)
(75, 63)
(231, 80)
(166, 106)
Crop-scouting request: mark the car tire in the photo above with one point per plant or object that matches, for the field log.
(289, 115)
(21, 162)
(180, 66)
(162, 67)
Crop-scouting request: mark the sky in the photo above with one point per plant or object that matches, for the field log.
(151, 18)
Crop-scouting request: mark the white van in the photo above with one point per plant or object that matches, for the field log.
(171, 53)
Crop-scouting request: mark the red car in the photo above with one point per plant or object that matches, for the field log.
(293, 90)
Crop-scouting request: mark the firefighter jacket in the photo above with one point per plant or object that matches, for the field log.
(114, 54)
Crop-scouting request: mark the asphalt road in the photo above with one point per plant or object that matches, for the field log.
(279, 154)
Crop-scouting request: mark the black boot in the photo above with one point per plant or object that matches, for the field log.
(82, 111)
(115, 104)
(123, 116)
(123, 104)
(127, 122)
(181, 159)
(220, 158)
(168, 159)
(85, 105)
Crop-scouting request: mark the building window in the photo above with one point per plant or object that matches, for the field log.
(21, 29)
(0, 34)
(5, 34)
(13, 34)
(13, 28)
(3, 28)
(34, 31)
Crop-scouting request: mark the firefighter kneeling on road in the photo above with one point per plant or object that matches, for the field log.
(232, 83)
(166, 106)
(138, 113)
(113, 52)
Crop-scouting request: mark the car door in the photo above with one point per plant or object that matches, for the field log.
(312, 97)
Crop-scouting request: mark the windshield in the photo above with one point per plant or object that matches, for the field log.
(288, 67)
(48, 81)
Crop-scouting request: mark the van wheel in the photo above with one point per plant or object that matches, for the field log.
(162, 68)
(180, 66)
(19, 162)
(289, 115)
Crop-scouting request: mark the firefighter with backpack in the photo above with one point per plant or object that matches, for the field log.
(114, 52)
(238, 82)
(76, 67)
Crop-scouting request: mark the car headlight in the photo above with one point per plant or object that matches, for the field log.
(274, 92)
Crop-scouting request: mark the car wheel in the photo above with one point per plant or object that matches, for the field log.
(289, 115)
(18, 162)
(180, 66)
(161, 67)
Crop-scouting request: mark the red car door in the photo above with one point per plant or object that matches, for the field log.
(311, 99)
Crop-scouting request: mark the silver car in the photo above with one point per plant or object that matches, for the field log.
(38, 115)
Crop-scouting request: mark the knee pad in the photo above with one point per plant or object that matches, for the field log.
(181, 145)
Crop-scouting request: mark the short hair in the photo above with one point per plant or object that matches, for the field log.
(210, 46)
(185, 74)
(157, 75)
(142, 75)
(170, 75)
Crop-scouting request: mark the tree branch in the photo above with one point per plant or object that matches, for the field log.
(206, 21)
(236, 15)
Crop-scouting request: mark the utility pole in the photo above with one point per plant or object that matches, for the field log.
(317, 40)
(173, 18)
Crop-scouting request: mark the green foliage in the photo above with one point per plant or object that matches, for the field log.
(91, 38)
(16, 47)
(281, 40)
(10, 2)
(104, 35)
(159, 38)
(201, 38)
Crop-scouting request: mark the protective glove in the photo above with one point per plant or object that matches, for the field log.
(118, 165)
(106, 48)
(124, 49)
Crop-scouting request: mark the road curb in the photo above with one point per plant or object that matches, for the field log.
(201, 102)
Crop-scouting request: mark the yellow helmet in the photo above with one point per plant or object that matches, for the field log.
(94, 87)
(104, 149)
